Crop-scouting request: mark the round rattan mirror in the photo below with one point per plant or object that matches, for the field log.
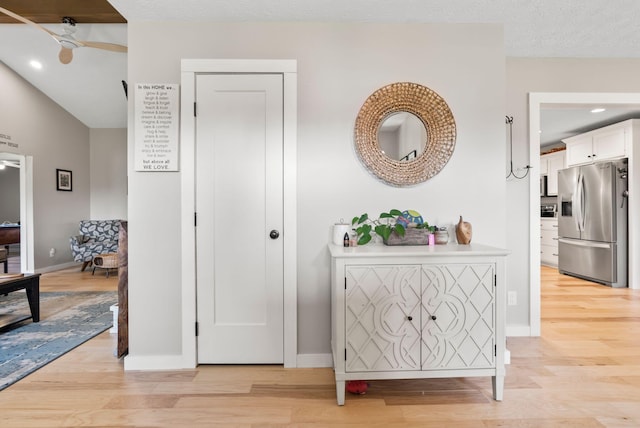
(427, 106)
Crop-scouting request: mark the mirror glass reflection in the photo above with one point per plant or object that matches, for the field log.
(402, 136)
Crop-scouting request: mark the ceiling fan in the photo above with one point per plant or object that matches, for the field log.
(66, 40)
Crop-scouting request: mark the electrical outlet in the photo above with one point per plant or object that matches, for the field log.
(52, 252)
(512, 298)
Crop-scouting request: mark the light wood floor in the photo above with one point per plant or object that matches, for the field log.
(583, 372)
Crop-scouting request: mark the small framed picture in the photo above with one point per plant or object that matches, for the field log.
(63, 180)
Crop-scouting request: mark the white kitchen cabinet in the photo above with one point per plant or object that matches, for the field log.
(549, 241)
(550, 164)
(609, 142)
(418, 312)
(544, 165)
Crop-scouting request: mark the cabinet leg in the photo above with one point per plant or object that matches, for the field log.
(340, 391)
(498, 387)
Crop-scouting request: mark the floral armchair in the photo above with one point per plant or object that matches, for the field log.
(96, 237)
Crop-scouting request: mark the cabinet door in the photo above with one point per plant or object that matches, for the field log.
(549, 232)
(609, 144)
(544, 165)
(549, 255)
(556, 163)
(579, 150)
(382, 319)
(458, 316)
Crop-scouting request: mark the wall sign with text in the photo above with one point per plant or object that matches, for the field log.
(157, 116)
(5, 141)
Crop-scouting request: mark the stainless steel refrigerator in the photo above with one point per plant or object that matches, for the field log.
(592, 222)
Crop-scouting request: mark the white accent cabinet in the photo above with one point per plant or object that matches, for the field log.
(404, 312)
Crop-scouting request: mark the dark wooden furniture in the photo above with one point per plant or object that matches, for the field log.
(4, 259)
(123, 289)
(31, 284)
(9, 235)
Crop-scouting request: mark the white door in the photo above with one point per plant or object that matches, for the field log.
(239, 205)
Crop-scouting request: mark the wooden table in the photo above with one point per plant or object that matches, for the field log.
(31, 284)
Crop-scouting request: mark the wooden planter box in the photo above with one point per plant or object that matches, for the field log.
(412, 236)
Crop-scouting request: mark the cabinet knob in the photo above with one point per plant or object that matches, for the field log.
(274, 234)
(433, 317)
(410, 318)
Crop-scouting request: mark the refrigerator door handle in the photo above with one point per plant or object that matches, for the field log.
(580, 203)
(579, 243)
(583, 204)
(576, 202)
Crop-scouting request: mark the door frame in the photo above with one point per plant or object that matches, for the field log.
(189, 69)
(536, 101)
(26, 209)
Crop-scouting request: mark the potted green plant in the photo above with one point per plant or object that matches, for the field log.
(383, 226)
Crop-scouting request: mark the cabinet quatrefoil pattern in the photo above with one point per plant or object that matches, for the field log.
(418, 317)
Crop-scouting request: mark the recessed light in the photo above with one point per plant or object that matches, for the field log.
(36, 64)
(598, 110)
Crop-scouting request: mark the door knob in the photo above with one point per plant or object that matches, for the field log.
(274, 234)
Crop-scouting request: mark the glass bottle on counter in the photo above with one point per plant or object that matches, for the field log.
(353, 238)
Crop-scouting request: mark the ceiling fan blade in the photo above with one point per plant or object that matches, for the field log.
(26, 21)
(66, 55)
(106, 46)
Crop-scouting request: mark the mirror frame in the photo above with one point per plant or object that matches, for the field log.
(425, 104)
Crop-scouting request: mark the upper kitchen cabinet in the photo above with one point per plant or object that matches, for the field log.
(550, 164)
(611, 142)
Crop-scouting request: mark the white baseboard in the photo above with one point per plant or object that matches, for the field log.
(54, 268)
(176, 362)
(308, 361)
(518, 331)
(155, 362)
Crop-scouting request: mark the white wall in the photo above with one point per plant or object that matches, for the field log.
(546, 75)
(55, 139)
(339, 66)
(108, 160)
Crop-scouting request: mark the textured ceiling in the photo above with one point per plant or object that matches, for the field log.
(533, 28)
(90, 86)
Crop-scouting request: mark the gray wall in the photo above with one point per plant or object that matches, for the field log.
(108, 160)
(55, 139)
(546, 75)
(10, 195)
(339, 66)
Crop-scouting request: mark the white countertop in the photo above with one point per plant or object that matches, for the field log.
(377, 250)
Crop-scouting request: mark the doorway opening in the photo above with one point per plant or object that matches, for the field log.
(537, 101)
(21, 215)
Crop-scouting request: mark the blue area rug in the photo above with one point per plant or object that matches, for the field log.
(67, 319)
